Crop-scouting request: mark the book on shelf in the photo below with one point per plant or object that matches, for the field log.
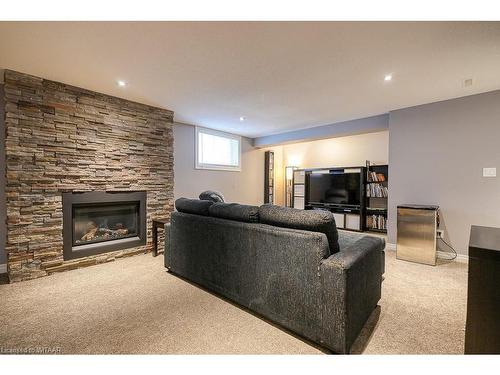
(379, 209)
(377, 191)
(376, 222)
(376, 177)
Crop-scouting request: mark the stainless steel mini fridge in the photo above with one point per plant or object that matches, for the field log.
(417, 229)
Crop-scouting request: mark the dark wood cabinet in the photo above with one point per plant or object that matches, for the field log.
(482, 334)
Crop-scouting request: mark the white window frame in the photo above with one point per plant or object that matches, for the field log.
(217, 167)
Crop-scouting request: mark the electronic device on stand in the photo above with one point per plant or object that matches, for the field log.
(338, 190)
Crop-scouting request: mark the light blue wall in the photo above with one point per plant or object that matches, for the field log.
(339, 129)
(436, 155)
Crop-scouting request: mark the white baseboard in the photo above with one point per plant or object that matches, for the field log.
(390, 246)
(462, 258)
(3, 268)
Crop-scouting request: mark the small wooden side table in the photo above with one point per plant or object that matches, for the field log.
(158, 223)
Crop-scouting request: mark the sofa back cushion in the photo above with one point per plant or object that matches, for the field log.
(193, 206)
(211, 195)
(311, 220)
(235, 211)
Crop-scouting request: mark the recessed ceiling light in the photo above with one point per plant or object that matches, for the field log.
(242, 118)
(388, 77)
(121, 83)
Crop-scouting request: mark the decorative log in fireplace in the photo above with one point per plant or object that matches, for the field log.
(99, 222)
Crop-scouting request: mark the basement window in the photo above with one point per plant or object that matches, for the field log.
(217, 150)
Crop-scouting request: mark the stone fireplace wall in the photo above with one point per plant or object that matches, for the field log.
(61, 138)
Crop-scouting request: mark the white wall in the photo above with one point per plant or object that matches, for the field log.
(246, 186)
(437, 152)
(348, 151)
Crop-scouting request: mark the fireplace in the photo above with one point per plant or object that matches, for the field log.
(99, 222)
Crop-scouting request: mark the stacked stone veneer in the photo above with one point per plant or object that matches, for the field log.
(61, 138)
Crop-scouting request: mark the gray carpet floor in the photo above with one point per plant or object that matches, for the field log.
(134, 306)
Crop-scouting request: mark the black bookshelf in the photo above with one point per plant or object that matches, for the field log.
(269, 177)
(377, 191)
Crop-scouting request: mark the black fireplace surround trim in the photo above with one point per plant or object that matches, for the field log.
(90, 197)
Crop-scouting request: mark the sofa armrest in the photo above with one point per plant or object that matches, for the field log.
(351, 289)
(356, 252)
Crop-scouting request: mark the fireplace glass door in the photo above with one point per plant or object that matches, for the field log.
(105, 222)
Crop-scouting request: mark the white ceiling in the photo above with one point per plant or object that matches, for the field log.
(280, 75)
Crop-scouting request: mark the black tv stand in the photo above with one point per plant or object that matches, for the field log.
(334, 207)
(372, 210)
(346, 217)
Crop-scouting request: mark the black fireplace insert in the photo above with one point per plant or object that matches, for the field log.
(99, 222)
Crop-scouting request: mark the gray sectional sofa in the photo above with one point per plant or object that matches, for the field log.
(298, 272)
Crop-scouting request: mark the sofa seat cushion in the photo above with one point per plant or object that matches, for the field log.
(193, 206)
(211, 195)
(235, 211)
(311, 220)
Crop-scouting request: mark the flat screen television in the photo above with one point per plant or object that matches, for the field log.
(335, 188)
